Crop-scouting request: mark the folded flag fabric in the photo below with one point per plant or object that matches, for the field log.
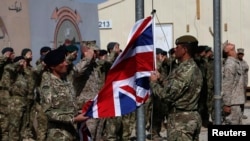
(127, 82)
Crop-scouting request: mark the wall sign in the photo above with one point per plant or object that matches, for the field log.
(105, 24)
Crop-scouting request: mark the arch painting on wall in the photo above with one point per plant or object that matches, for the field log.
(67, 25)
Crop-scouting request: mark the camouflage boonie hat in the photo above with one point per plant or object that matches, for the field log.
(186, 39)
(240, 51)
(90, 44)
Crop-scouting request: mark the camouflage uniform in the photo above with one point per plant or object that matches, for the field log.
(182, 90)
(4, 101)
(203, 108)
(91, 75)
(210, 87)
(16, 77)
(60, 108)
(233, 91)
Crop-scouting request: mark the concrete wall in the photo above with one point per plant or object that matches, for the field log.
(235, 20)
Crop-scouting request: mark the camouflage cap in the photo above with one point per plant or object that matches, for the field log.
(90, 44)
(186, 39)
(240, 51)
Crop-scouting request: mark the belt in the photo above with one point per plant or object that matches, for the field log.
(4, 88)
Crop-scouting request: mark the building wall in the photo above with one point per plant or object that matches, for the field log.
(235, 20)
(32, 26)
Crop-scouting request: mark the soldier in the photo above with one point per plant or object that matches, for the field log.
(88, 80)
(15, 76)
(210, 82)
(156, 106)
(182, 89)
(7, 57)
(59, 97)
(43, 51)
(245, 68)
(233, 91)
(201, 62)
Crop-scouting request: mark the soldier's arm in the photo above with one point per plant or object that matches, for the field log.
(52, 106)
(173, 87)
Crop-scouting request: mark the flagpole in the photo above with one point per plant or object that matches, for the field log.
(153, 25)
(140, 115)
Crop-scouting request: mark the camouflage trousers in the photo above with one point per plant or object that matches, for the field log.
(4, 112)
(235, 117)
(16, 117)
(128, 124)
(112, 129)
(39, 122)
(184, 126)
(159, 112)
(95, 127)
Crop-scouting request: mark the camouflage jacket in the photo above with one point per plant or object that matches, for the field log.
(182, 87)
(89, 77)
(233, 91)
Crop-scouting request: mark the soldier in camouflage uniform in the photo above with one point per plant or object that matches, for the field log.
(88, 79)
(233, 88)
(245, 68)
(15, 76)
(7, 58)
(59, 98)
(201, 61)
(210, 82)
(38, 118)
(157, 109)
(182, 89)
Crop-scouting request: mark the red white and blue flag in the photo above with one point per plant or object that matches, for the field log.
(127, 83)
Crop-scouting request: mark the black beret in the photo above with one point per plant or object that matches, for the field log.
(186, 39)
(71, 48)
(24, 51)
(54, 57)
(102, 52)
(208, 49)
(171, 51)
(159, 51)
(6, 49)
(164, 52)
(17, 58)
(45, 49)
(200, 49)
(111, 45)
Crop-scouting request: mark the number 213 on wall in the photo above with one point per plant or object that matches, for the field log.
(105, 24)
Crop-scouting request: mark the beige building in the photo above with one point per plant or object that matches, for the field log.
(178, 17)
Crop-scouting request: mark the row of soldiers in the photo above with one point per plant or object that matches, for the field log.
(205, 61)
(157, 118)
(45, 102)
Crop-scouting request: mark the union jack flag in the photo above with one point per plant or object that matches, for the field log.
(127, 83)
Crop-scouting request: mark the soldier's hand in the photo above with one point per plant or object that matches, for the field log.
(80, 118)
(154, 76)
(7, 54)
(227, 109)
